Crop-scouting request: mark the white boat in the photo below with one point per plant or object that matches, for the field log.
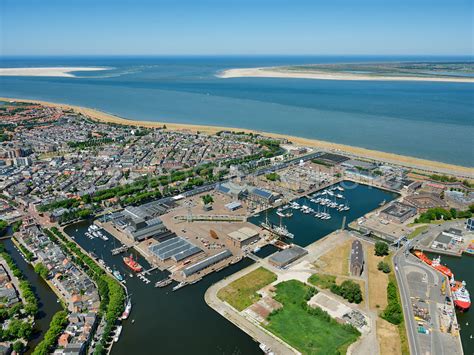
(118, 331)
(128, 309)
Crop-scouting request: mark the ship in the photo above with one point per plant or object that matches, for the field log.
(280, 231)
(128, 309)
(132, 264)
(118, 275)
(180, 285)
(460, 294)
(435, 263)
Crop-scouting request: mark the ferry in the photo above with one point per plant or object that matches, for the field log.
(118, 331)
(435, 263)
(128, 309)
(132, 264)
(461, 297)
(118, 275)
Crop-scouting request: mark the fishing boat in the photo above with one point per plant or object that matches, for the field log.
(132, 264)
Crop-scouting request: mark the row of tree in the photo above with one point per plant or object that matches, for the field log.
(31, 303)
(393, 312)
(112, 294)
(56, 327)
(438, 213)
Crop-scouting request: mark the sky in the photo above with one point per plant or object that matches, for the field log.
(236, 27)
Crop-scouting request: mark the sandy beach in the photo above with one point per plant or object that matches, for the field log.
(401, 160)
(52, 71)
(276, 72)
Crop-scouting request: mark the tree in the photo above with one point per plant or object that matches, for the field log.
(349, 289)
(3, 227)
(383, 266)
(18, 347)
(42, 270)
(207, 199)
(381, 248)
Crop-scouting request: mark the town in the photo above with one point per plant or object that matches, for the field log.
(94, 206)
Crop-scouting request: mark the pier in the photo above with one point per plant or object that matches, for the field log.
(120, 249)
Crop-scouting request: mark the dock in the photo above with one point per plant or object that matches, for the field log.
(119, 250)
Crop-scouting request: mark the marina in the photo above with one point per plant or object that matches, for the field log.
(312, 220)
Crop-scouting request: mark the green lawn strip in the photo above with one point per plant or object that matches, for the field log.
(242, 292)
(309, 330)
(322, 281)
(418, 231)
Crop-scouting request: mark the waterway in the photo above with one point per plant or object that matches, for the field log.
(307, 229)
(47, 299)
(462, 269)
(168, 322)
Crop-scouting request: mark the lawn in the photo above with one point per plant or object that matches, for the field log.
(242, 292)
(418, 231)
(310, 331)
(322, 281)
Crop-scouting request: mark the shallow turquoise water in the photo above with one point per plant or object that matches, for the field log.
(423, 119)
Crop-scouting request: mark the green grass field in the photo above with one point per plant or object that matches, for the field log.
(310, 331)
(323, 281)
(242, 292)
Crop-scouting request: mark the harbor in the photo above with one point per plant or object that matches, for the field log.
(153, 307)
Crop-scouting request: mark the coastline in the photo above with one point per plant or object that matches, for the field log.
(275, 72)
(391, 158)
(63, 72)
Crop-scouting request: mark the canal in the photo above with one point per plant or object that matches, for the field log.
(47, 300)
(168, 322)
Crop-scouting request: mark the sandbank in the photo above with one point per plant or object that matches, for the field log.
(51, 71)
(276, 72)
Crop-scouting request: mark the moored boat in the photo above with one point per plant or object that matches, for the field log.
(461, 296)
(132, 264)
(128, 309)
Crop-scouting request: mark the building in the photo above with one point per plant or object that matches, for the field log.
(425, 202)
(205, 263)
(332, 159)
(261, 196)
(357, 258)
(244, 236)
(234, 205)
(470, 224)
(176, 248)
(398, 212)
(287, 256)
(231, 189)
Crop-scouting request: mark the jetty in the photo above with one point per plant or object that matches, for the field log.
(119, 250)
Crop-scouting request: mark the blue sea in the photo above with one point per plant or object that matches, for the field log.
(429, 120)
